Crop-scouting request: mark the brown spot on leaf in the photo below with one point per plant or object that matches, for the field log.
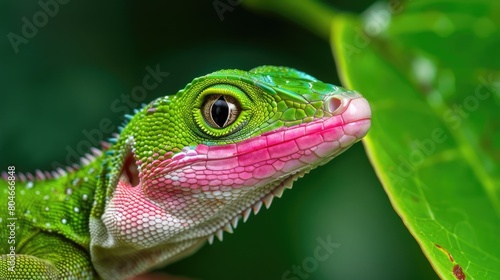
(446, 252)
(458, 272)
(457, 269)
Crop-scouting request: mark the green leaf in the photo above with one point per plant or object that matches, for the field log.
(431, 71)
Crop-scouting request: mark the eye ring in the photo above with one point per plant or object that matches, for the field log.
(220, 111)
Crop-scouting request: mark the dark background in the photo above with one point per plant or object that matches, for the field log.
(65, 79)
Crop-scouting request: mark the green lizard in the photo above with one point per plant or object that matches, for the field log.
(183, 169)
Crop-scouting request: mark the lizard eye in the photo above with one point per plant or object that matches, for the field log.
(220, 111)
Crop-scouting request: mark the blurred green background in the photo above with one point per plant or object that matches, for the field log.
(87, 56)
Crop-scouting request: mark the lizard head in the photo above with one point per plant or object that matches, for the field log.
(190, 166)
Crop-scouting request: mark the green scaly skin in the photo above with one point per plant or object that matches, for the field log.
(183, 170)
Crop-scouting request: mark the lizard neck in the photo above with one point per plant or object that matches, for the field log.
(59, 202)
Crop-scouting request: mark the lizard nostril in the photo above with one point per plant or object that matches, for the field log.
(333, 103)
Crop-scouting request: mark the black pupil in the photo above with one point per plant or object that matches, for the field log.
(220, 111)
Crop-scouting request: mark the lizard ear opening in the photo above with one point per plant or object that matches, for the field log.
(130, 171)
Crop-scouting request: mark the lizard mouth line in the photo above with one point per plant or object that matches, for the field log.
(130, 169)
